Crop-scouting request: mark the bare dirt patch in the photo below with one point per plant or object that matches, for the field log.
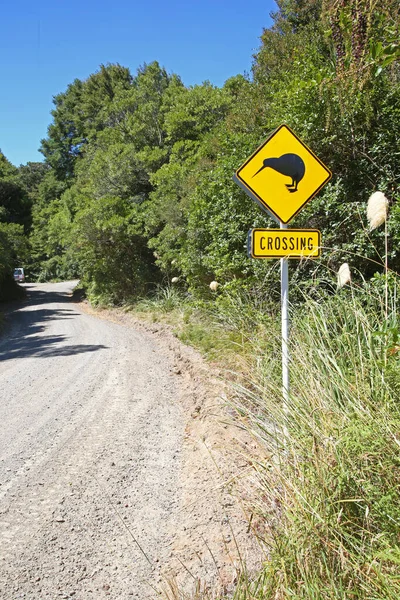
(213, 540)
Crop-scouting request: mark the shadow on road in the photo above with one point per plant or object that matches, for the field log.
(37, 297)
(25, 335)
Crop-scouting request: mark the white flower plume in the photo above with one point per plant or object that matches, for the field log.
(377, 209)
(344, 275)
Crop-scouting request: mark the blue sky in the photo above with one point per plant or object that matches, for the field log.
(46, 44)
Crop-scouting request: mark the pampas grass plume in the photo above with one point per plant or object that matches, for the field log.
(377, 209)
(344, 275)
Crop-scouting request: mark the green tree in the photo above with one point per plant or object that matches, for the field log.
(15, 205)
(79, 114)
(193, 113)
(15, 214)
(114, 260)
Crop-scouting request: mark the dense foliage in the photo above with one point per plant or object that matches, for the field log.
(136, 187)
(15, 221)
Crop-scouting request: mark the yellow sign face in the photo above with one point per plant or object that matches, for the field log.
(284, 243)
(283, 174)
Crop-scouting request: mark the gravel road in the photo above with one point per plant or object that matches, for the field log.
(90, 454)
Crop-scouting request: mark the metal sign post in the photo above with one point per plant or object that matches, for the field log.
(285, 327)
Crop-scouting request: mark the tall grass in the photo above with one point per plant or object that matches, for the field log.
(327, 469)
(328, 475)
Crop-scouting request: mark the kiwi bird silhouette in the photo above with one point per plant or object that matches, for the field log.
(290, 165)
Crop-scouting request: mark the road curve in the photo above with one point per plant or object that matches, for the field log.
(90, 439)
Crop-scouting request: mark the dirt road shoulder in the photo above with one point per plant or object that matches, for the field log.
(213, 540)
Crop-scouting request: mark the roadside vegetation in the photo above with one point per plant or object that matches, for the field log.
(324, 500)
(135, 197)
(329, 479)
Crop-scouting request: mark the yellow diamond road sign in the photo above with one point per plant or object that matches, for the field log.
(283, 174)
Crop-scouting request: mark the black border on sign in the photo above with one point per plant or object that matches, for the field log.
(259, 199)
(275, 230)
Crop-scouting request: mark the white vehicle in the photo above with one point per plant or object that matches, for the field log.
(19, 275)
